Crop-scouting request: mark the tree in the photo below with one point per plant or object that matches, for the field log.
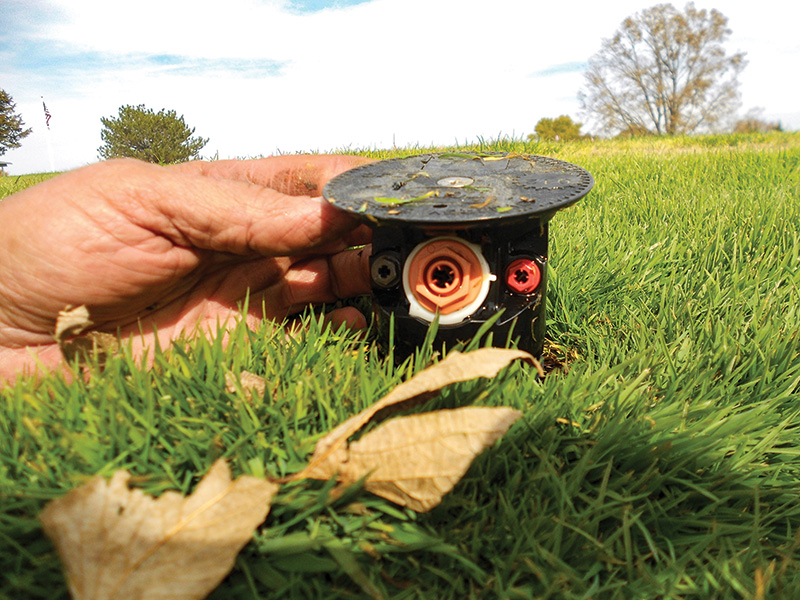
(138, 132)
(12, 128)
(666, 72)
(754, 123)
(562, 128)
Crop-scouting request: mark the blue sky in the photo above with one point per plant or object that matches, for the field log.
(260, 77)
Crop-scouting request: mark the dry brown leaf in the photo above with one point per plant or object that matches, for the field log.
(71, 322)
(120, 543)
(415, 460)
(77, 345)
(247, 381)
(94, 343)
(456, 367)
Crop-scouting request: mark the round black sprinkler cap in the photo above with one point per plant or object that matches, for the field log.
(459, 188)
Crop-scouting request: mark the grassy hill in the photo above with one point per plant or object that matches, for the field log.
(659, 458)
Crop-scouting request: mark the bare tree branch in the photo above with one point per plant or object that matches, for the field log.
(664, 72)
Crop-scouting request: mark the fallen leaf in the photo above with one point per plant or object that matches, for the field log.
(396, 201)
(247, 381)
(483, 204)
(71, 322)
(77, 345)
(93, 343)
(456, 367)
(415, 460)
(118, 543)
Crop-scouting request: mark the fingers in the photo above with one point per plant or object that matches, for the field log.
(348, 316)
(236, 216)
(322, 279)
(291, 175)
(359, 236)
(31, 360)
(349, 272)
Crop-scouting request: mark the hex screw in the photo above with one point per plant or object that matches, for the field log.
(385, 270)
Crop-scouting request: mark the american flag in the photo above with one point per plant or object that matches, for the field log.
(47, 114)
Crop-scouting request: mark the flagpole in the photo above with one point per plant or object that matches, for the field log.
(47, 117)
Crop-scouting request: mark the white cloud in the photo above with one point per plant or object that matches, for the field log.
(259, 77)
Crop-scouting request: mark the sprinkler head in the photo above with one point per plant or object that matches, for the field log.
(457, 239)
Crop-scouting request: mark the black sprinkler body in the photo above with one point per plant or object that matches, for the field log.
(459, 237)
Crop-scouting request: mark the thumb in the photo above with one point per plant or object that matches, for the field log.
(293, 175)
(227, 208)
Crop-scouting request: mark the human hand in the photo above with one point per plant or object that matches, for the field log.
(170, 249)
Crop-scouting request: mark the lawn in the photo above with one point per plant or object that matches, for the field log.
(10, 184)
(659, 457)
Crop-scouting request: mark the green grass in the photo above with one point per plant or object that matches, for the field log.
(10, 184)
(659, 459)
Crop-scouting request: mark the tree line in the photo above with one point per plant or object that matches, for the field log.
(663, 72)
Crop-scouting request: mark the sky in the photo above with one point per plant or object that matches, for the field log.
(263, 77)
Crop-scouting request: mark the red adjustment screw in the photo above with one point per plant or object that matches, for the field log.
(523, 276)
